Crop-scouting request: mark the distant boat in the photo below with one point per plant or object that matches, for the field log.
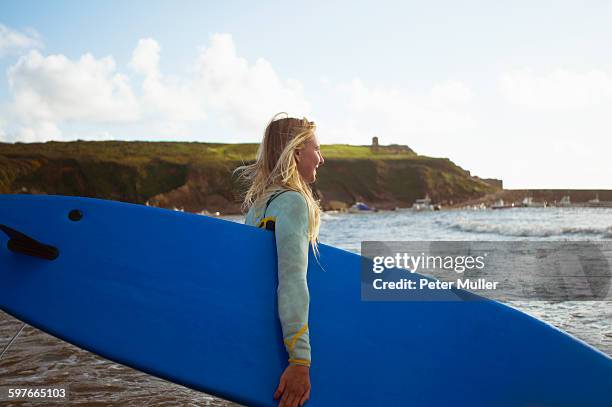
(360, 207)
(423, 204)
(528, 202)
(476, 207)
(565, 201)
(500, 204)
(594, 201)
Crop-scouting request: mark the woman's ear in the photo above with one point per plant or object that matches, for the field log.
(297, 155)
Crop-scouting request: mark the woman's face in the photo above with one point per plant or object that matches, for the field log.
(308, 159)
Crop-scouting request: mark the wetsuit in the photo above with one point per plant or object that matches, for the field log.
(286, 213)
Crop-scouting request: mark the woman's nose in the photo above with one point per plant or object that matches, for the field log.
(321, 160)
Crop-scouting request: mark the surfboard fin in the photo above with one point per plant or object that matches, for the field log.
(23, 244)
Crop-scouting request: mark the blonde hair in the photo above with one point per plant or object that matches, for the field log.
(275, 168)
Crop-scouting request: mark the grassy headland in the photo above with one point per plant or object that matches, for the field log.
(198, 176)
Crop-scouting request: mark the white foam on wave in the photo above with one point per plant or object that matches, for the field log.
(529, 230)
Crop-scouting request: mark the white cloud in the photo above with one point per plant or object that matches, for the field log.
(11, 40)
(557, 90)
(51, 92)
(422, 120)
(145, 58)
(245, 95)
(38, 131)
(164, 98)
(450, 93)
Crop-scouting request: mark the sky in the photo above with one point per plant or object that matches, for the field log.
(520, 91)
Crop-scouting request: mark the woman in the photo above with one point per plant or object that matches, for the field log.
(279, 198)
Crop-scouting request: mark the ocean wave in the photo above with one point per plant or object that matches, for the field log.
(530, 230)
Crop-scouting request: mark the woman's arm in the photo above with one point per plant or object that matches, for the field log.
(291, 231)
(293, 297)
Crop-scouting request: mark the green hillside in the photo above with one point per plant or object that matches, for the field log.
(198, 176)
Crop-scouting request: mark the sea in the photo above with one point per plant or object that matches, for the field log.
(38, 359)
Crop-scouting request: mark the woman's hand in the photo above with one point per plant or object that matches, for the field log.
(294, 386)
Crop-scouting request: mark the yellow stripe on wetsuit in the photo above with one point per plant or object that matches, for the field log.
(267, 223)
(291, 344)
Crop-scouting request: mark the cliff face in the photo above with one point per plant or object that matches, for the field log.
(206, 187)
(83, 177)
(387, 183)
(198, 176)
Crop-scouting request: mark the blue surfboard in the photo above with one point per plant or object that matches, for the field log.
(192, 299)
